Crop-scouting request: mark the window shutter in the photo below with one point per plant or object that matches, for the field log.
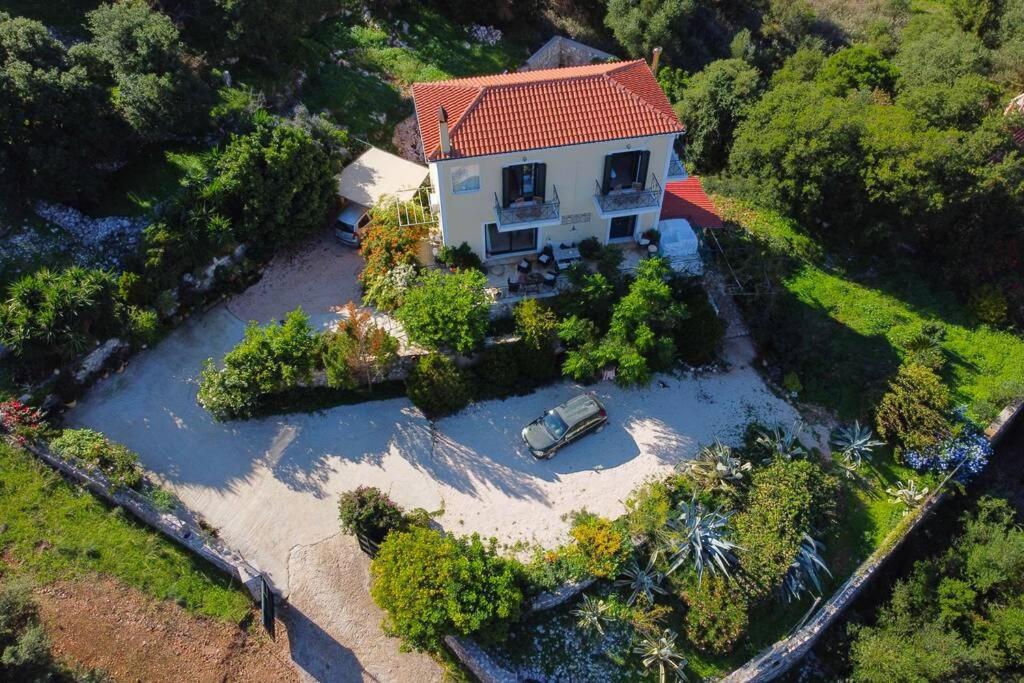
(539, 180)
(506, 184)
(645, 160)
(606, 182)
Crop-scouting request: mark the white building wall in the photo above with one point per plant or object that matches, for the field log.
(574, 171)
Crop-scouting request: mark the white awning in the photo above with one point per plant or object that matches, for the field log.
(377, 173)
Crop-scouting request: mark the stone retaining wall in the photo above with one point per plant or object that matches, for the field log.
(782, 656)
(561, 51)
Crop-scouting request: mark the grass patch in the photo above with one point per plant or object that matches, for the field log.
(153, 177)
(842, 327)
(52, 530)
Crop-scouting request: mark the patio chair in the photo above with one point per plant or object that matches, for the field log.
(513, 287)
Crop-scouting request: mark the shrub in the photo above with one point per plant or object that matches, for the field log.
(387, 292)
(648, 508)
(143, 325)
(537, 328)
(358, 351)
(912, 413)
(498, 371)
(590, 247)
(601, 543)
(24, 646)
(20, 421)
(432, 585)
(436, 386)
(461, 257)
(447, 311)
(367, 511)
(968, 451)
(786, 499)
(988, 305)
(384, 244)
(268, 360)
(117, 463)
(717, 615)
(57, 315)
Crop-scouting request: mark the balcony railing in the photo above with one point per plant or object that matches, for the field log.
(675, 168)
(628, 199)
(528, 212)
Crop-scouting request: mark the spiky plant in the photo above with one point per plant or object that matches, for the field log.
(855, 442)
(805, 572)
(661, 651)
(783, 442)
(716, 467)
(699, 535)
(591, 615)
(645, 581)
(908, 494)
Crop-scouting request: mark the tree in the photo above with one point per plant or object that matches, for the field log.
(432, 585)
(359, 350)
(537, 328)
(57, 315)
(857, 67)
(55, 121)
(262, 30)
(691, 33)
(934, 50)
(711, 106)
(276, 181)
(436, 386)
(980, 17)
(447, 311)
(962, 104)
(913, 412)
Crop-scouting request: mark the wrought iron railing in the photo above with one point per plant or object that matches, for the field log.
(675, 168)
(528, 212)
(628, 199)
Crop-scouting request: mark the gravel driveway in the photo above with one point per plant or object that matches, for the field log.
(270, 486)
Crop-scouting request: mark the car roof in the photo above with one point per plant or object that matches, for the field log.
(352, 213)
(578, 408)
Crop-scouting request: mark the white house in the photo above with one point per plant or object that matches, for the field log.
(553, 156)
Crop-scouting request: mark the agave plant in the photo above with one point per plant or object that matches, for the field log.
(591, 614)
(855, 442)
(908, 493)
(698, 535)
(783, 442)
(645, 581)
(661, 651)
(716, 467)
(804, 573)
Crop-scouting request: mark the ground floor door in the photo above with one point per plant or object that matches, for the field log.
(622, 228)
(510, 241)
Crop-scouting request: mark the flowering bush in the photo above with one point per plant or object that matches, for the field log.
(967, 450)
(19, 420)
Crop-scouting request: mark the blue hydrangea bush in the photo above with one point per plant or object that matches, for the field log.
(967, 449)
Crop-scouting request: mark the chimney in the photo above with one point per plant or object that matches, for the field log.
(442, 127)
(655, 57)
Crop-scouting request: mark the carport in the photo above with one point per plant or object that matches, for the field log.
(377, 173)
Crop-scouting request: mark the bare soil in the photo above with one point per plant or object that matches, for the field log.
(99, 623)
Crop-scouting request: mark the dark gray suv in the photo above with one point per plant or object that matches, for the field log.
(563, 424)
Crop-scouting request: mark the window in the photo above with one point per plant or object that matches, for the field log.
(522, 181)
(510, 241)
(465, 178)
(623, 169)
(622, 227)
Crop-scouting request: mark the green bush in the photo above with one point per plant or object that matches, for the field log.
(786, 499)
(601, 543)
(24, 645)
(498, 371)
(367, 511)
(58, 315)
(447, 311)
(143, 325)
(358, 351)
(989, 306)
(589, 247)
(648, 508)
(437, 387)
(537, 328)
(717, 616)
(913, 413)
(461, 257)
(268, 360)
(117, 463)
(701, 332)
(432, 585)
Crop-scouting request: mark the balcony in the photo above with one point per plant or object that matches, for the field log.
(676, 171)
(628, 200)
(528, 214)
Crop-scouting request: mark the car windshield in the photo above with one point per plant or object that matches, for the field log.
(555, 424)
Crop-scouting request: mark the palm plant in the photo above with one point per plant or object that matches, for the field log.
(804, 573)
(855, 442)
(698, 535)
(661, 651)
(591, 615)
(716, 467)
(645, 581)
(908, 493)
(783, 442)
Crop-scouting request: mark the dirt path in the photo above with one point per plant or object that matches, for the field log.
(101, 623)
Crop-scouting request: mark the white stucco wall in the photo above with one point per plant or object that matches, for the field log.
(571, 170)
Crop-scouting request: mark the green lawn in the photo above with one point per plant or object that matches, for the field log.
(841, 327)
(51, 530)
(154, 176)
(371, 103)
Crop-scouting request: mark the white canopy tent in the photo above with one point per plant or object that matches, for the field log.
(377, 173)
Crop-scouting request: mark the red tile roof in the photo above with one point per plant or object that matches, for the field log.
(544, 108)
(686, 199)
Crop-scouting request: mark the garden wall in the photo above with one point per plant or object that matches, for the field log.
(560, 51)
(782, 656)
